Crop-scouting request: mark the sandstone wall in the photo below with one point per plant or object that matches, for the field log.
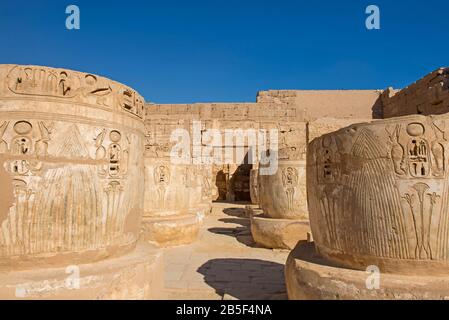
(315, 104)
(299, 116)
(290, 111)
(429, 95)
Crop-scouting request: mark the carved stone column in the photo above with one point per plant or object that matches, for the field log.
(177, 195)
(378, 202)
(254, 188)
(72, 187)
(283, 219)
(172, 199)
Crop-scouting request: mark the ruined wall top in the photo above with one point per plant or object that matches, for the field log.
(429, 95)
(317, 104)
(37, 82)
(226, 111)
(285, 105)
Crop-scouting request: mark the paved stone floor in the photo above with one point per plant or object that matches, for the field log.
(225, 263)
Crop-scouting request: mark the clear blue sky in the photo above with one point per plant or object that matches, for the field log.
(221, 51)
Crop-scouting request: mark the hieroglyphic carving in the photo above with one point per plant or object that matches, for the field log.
(438, 148)
(99, 89)
(395, 195)
(3, 143)
(161, 179)
(116, 156)
(21, 147)
(42, 81)
(47, 215)
(328, 161)
(71, 194)
(397, 151)
(80, 87)
(418, 151)
(41, 145)
(206, 185)
(131, 102)
(292, 141)
(290, 181)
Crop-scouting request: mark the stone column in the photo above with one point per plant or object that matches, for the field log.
(378, 209)
(172, 195)
(253, 183)
(178, 194)
(72, 187)
(282, 195)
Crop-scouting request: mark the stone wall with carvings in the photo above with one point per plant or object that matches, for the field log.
(429, 95)
(71, 166)
(297, 116)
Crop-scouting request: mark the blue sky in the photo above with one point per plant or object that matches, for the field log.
(224, 51)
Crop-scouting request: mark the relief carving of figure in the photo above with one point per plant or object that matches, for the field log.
(397, 151)
(290, 181)
(41, 145)
(438, 149)
(161, 179)
(3, 143)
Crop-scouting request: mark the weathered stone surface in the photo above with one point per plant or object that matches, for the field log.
(289, 111)
(377, 195)
(429, 95)
(309, 276)
(71, 149)
(278, 233)
(72, 187)
(135, 275)
(310, 105)
(177, 196)
(83, 161)
(254, 188)
(283, 195)
(171, 230)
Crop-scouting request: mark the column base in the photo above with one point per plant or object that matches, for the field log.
(172, 230)
(202, 209)
(137, 275)
(278, 233)
(311, 277)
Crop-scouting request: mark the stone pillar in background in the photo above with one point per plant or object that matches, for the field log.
(282, 196)
(378, 209)
(254, 188)
(71, 149)
(177, 196)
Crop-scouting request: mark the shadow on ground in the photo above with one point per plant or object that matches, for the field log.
(234, 212)
(242, 234)
(245, 279)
